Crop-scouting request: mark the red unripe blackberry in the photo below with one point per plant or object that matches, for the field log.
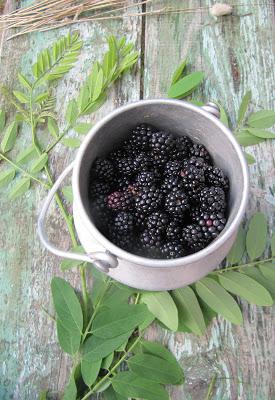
(212, 199)
(120, 201)
(177, 203)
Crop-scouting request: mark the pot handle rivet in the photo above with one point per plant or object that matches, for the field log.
(212, 108)
(102, 260)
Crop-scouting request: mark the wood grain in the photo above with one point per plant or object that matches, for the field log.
(237, 53)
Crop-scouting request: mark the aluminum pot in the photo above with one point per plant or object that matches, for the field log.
(203, 126)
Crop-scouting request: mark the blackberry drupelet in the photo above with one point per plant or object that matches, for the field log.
(146, 178)
(103, 169)
(124, 222)
(182, 145)
(161, 142)
(173, 230)
(99, 187)
(126, 166)
(157, 222)
(194, 237)
(173, 249)
(216, 177)
(172, 168)
(148, 200)
(120, 201)
(211, 224)
(198, 150)
(212, 199)
(176, 203)
(171, 183)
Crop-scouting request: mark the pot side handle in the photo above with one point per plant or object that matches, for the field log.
(102, 260)
(212, 108)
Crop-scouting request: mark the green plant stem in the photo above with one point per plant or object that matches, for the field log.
(211, 387)
(99, 383)
(60, 137)
(244, 265)
(24, 171)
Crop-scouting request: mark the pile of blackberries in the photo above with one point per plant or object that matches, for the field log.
(157, 195)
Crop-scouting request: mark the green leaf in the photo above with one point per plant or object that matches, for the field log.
(53, 128)
(189, 310)
(163, 307)
(219, 300)
(20, 188)
(255, 273)
(261, 133)
(96, 348)
(223, 116)
(2, 119)
(71, 389)
(147, 321)
(273, 244)
(129, 384)
(73, 143)
(83, 128)
(185, 85)
(22, 97)
(155, 369)
(208, 313)
(24, 81)
(244, 107)
(256, 236)
(246, 139)
(107, 361)
(68, 264)
(90, 370)
(97, 89)
(115, 296)
(39, 164)
(9, 137)
(6, 177)
(178, 72)
(110, 394)
(68, 193)
(43, 395)
(68, 338)
(26, 155)
(119, 320)
(41, 97)
(67, 306)
(237, 250)
(262, 119)
(268, 271)
(246, 287)
(249, 158)
(72, 112)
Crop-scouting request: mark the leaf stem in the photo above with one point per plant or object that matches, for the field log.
(101, 381)
(23, 171)
(211, 387)
(244, 265)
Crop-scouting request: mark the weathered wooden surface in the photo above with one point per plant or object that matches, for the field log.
(237, 53)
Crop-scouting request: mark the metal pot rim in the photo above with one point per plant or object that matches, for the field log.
(122, 254)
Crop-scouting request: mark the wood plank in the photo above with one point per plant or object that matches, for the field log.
(236, 54)
(30, 357)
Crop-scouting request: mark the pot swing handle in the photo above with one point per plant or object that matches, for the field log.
(102, 260)
(212, 108)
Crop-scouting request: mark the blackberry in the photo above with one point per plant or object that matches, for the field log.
(123, 222)
(148, 200)
(120, 200)
(177, 203)
(160, 159)
(161, 142)
(99, 187)
(157, 222)
(145, 178)
(142, 162)
(182, 145)
(194, 194)
(212, 199)
(116, 155)
(216, 177)
(198, 150)
(192, 177)
(197, 162)
(171, 183)
(121, 239)
(150, 239)
(194, 237)
(174, 249)
(140, 220)
(172, 168)
(126, 166)
(173, 230)
(211, 224)
(103, 169)
(122, 182)
(140, 136)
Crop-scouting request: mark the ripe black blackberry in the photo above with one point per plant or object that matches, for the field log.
(171, 183)
(146, 178)
(194, 194)
(116, 155)
(150, 239)
(99, 187)
(211, 224)
(103, 169)
(212, 199)
(182, 145)
(140, 221)
(126, 166)
(148, 199)
(142, 162)
(176, 203)
(157, 222)
(194, 237)
(198, 150)
(172, 168)
(192, 177)
(197, 162)
(123, 240)
(123, 222)
(140, 136)
(216, 177)
(161, 142)
(173, 249)
(122, 182)
(173, 230)
(120, 201)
